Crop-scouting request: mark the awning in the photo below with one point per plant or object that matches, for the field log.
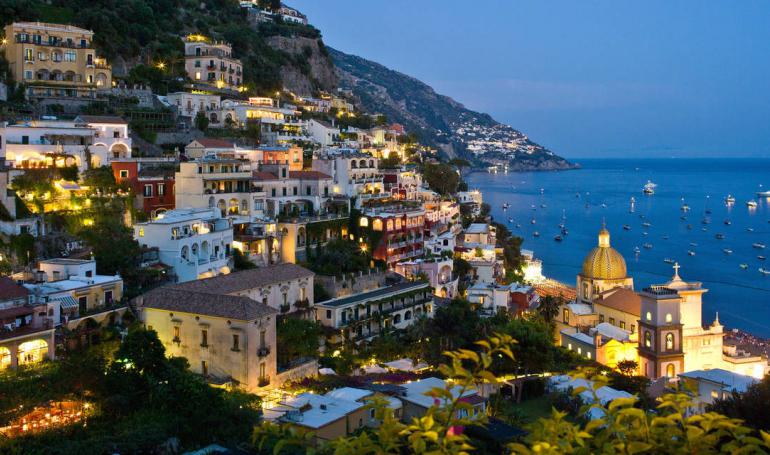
(68, 302)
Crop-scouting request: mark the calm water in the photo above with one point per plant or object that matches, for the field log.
(742, 297)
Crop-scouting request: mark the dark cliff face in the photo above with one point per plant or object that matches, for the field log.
(439, 120)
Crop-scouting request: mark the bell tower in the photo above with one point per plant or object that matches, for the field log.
(660, 333)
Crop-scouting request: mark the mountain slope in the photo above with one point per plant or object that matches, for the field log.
(440, 120)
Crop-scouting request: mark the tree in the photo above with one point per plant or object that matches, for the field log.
(296, 338)
(549, 307)
(240, 262)
(201, 121)
(441, 178)
(101, 180)
(628, 367)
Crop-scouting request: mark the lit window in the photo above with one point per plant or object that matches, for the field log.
(649, 316)
(669, 318)
(588, 355)
(569, 346)
(714, 394)
(141, 232)
(580, 350)
(647, 339)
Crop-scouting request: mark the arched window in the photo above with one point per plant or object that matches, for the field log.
(212, 202)
(195, 249)
(371, 163)
(670, 370)
(353, 164)
(566, 316)
(669, 318)
(647, 339)
(5, 358)
(407, 315)
(649, 316)
(397, 319)
(32, 352)
(362, 163)
(185, 252)
(669, 341)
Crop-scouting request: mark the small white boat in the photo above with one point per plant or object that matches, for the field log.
(705, 221)
(763, 193)
(727, 251)
(693, 244)
(626, 227)
(730, 199)
(751, 204)
(668, 261)
(665, 237)
(684, 208)
(744, 266)
(536, 234)
(506, 205)
(558, 238)
(543, 205)
(759, 246)
(649, 188)
(647, 246)
(761, 258)
(533, 221)
(764, 271)
(645, 233)
(728, 222)
(637, 250)
(510, 220)
(646, 224)
(691, 253)
(720, 236)
(749, 229)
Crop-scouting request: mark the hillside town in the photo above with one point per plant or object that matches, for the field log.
(295, 249)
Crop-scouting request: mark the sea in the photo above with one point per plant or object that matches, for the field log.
(601, 192)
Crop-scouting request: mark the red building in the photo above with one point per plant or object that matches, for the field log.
(150, 179)
(403, 232)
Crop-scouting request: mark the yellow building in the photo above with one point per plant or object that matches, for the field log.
(605, 343)
(211, 63)
(55, 60)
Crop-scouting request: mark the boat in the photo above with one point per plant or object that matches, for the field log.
(720, 236)
(626, 227)
(705, 220)
(727, 251)
(744, 266)
(536, 234)
(633, 200)
(649, 188)
(703, 229)
(558, 238)
(668, 261)
(728, 222)
(693, 244)
(684, 208)
(708, 212)
(533, 221)
(518, 225)
(691, 253)
(764, 271)
(646, 224)
(647, 246)
(683, 218)
(665, 237)
(564, 231)
(542, 190)
(510, 220)
(761, 258)
(730, 199)
(763, 193)
(637, 250)
(759, 246)
(751, 204)
(645, 233)
(506, 205)
(543, 206)
(749, 229)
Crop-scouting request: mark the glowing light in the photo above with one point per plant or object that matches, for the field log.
(336, 353)
(161, 66)
(88, 222)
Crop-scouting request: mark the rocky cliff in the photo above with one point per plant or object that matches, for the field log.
(439, 120)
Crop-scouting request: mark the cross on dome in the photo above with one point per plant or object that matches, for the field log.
(676, 271)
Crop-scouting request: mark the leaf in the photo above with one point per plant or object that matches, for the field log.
(638, 447)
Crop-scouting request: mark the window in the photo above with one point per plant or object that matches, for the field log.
(633, 328)
(647, 339)
(204, 338)
(669, 341)
(623, 325)
(588, 355)
(294, 190)
(29, 56)
(161, 189)
(28, 74)
(69, 56)
(328, 314)
(262, 338)
(601, 318)
(204, 368)
(569, 346)
(147, 190)
(612, 321)
(108, 297)
(262, 370)
(272, 192)
(670, 370)
(83, 303)
(176, 333)
(580, 350)
(648, 316)
(714, 394)
(236, 342)
(669, 318)
(284, 191)
(565, 316)
(124, 174)
(141, 232)
(197, 75)
(308, 190)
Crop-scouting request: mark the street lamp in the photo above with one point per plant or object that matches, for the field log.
(161, 66)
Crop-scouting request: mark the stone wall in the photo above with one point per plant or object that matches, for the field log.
(353, 283)
(305, 370)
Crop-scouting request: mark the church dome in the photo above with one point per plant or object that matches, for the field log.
(604, 262)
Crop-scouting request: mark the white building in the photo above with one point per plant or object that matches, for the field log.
(322, 132)
(715, 384)
(195, 243)
(355, 174)
(438, 272)
(189, 104)
(45, 143)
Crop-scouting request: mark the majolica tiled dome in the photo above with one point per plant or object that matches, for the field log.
(604, 262)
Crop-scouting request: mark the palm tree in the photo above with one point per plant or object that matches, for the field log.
(549, 307)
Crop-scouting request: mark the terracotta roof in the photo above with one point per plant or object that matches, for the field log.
(262, 175)
(621, 299)
(308, 175)
(9, 290)
(113, 119)
(246, 279)
(210, 142)
(217, 305)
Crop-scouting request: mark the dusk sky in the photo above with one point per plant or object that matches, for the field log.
(587, 78)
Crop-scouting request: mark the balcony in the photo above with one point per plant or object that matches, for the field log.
(263, 351)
